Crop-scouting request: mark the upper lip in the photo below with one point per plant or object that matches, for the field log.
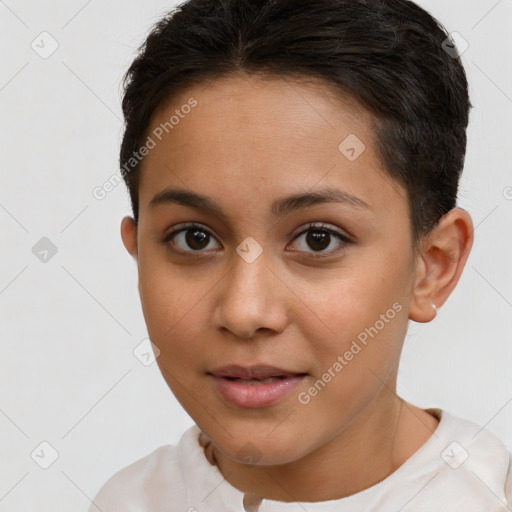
(252, 372)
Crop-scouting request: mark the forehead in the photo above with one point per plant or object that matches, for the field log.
(261, 138)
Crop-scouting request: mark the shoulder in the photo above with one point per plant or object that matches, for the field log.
(142, 485)
(173, 477)
(508, 484)
(475, 466)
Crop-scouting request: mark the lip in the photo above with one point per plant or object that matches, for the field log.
(253, 372)
(255, 396)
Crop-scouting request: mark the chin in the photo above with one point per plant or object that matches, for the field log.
(252, 450)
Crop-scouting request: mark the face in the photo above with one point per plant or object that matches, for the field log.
(252, 282)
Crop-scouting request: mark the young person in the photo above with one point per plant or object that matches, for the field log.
(293, 168)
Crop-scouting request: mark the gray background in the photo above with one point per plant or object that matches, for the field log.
(69, 324)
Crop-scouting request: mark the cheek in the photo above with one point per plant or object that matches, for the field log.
(360, 315)
(168, 300)
(353, 363)
(169, 310)
(346, 303)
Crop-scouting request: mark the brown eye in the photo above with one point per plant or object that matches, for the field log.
(196, 239)
(192, 238)
(318, 238)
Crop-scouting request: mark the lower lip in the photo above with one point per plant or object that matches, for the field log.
(254, 396)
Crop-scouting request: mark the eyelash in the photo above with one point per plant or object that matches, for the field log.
(311, 227)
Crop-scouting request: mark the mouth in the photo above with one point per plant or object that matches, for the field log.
(258, 373)
(255, 387)
(256, 381)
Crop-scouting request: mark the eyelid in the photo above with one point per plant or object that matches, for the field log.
(318, 226)
(321, 226)
(185, 227)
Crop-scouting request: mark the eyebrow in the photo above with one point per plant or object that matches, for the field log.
(280, 207)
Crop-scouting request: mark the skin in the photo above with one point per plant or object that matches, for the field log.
(249, 141)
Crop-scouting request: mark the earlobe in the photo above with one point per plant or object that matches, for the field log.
(443, 256)
(129, 235)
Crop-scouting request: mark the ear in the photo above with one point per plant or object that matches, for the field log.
(442, 257)
(129, 235)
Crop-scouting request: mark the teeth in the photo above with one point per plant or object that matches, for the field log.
(255, 381)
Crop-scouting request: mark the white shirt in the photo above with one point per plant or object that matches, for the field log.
(461, 468)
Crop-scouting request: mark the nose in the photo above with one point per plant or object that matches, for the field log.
(251, 297)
